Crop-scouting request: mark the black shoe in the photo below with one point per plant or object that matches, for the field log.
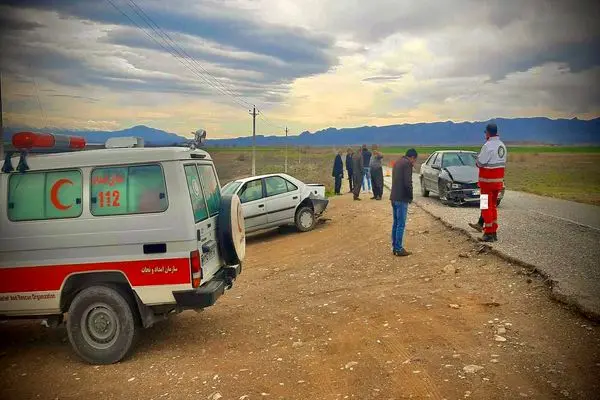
(378, 198)
(495, 236)
(357, 199)
(477, 227)
(487, 238)
(373, 198)
(402, 253)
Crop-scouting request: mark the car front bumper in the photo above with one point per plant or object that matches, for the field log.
(466, 196)
(207, 294)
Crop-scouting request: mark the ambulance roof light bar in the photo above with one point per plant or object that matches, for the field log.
(25, 141)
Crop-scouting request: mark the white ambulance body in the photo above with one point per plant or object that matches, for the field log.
(117, 238)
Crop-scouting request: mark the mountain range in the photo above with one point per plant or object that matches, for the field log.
(538, 130)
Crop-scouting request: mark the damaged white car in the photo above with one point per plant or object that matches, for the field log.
(270, 201)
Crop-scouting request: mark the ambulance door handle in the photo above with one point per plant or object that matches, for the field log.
(155, 248)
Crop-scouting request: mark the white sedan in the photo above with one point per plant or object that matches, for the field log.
(275, 200)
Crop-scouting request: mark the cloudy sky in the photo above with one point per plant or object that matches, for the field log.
(307, 64)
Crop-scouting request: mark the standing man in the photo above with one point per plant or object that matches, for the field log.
(366, 155)
(357, 169)
(349, 154)
(491, 162)
(338, 172)
(377, 173)
(402, 195)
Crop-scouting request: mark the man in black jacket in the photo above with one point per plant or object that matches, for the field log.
(357, 169)
(338, 172)
(349, 167)
(401, 196)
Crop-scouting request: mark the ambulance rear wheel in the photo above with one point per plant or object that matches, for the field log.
(101, 325)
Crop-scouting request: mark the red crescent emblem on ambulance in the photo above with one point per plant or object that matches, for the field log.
(54, 194)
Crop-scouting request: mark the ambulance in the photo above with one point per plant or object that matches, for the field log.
(112, 240)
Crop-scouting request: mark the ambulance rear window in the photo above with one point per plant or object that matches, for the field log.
(45, 195)
(135, 189)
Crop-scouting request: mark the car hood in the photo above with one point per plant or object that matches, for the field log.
(463, 173)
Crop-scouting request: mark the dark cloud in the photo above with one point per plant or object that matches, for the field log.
(249, 52)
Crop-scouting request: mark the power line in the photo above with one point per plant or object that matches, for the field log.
(189, 62)
(138, 10)
(179, 58)
(184, 54)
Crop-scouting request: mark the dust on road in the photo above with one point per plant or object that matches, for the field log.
(331, 314)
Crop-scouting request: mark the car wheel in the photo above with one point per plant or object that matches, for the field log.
(305, 219)
(101, 325)
(424, 192)
(442, 192)
(231, 230)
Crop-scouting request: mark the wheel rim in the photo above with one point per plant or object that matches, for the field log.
(306, 219)
(100, 326)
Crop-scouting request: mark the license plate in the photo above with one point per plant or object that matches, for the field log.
(476, 192)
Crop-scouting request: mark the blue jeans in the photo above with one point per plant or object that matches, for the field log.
(400, 209)
(367, 175)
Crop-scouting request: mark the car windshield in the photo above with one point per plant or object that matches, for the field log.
(230, 188)
(458, 160)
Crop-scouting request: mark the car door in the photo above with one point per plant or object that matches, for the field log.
(282, 199)
(425, 171)
(429, 171)
(205, 217)
(436, 167)
(251, 195)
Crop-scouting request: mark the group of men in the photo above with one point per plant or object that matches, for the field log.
(365, 171)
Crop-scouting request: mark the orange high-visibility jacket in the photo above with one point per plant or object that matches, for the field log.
(491, 162)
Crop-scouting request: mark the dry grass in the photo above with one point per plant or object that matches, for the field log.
(308, 165)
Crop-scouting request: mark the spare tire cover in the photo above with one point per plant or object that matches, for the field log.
(231, 230)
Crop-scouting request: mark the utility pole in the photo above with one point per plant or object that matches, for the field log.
(253, 113)
(1, 122)
(286, 148)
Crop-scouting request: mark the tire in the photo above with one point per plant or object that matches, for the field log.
(442, 193)
(101, 325)
(231, 230)
(424, 192)
(305, 219)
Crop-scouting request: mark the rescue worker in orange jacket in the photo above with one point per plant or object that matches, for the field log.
(491, 162)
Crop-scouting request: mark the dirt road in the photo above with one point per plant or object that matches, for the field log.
(331, 314)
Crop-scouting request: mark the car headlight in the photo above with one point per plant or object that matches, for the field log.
(456, 186)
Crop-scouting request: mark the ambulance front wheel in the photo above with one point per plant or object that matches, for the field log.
(101, 325)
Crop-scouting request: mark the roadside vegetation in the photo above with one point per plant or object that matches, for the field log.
(566, 172)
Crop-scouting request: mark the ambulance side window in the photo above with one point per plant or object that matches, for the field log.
(211, 188)
(45, 195)
(136, 189)
(196, 194)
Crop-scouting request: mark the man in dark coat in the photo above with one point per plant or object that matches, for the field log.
(401, 196)
(377, 173)
(357, 170)
(338, 172)
(349, 168)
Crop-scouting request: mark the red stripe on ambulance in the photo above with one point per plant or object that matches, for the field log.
(139, 272)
